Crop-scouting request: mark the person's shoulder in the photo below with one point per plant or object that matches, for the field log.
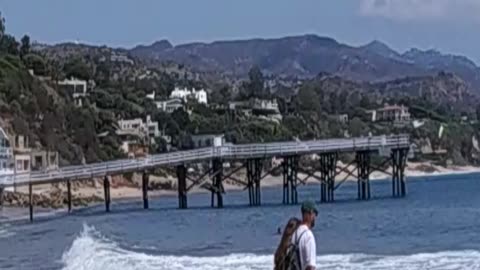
(309, 233)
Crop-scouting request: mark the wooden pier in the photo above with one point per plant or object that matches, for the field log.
(394, 150)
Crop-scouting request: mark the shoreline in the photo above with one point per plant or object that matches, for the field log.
(132, 190)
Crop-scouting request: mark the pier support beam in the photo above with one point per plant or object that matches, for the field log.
(399, 161)
(328, 167)
(217, 187)
(182, 186)
(254, 174)
(106, 189)
(145, 178)
(30, 200)
(363, 169)
(290, 169)
(1, 196)
(69, 195)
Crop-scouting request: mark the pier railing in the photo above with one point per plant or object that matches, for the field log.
(233, 152)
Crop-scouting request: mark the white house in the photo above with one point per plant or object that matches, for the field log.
(170, 105)
(78, 89)
(138, 127)
(263, 104)
(151, 96)
(199, 95)
(208, 140)
(131, 126)
(390, 113)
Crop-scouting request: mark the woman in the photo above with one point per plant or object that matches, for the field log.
(282, 248)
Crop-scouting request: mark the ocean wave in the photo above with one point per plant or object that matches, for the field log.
(6, 231)
(90, 250)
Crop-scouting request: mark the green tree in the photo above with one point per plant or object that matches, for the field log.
(357, 127)
(9, 45)
(255, 86)
(78, 69)
(35, 62)
(307, 99)
(25, 45)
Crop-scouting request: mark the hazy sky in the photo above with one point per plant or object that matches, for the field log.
(451, 26)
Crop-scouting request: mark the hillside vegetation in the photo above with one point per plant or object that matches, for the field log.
(35, 106)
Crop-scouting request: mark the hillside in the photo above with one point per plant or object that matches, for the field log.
(442, 89)
(306, 56)
(308, 80)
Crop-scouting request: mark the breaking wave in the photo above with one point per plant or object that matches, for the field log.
(90, 250)
(5, 231)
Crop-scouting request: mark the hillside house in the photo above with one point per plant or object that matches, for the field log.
(136, 126)
(390, 113)
(342, 118)
(22, 154)
(77, 88)
(199, 95)
(44, 160)
(208, 140)
(134, 148)
(136, 135)
(26, 159)
(266, 109)
(170, 105)
(265, 105)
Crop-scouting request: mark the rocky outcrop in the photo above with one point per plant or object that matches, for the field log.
(55, 199)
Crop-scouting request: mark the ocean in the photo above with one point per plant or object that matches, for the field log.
(437, 226)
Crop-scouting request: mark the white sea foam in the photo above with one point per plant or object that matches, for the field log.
(6, 231)
(92, 251)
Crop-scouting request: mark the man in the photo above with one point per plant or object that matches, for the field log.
(303, 237)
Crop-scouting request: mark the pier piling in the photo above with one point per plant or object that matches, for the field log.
(69, 196)
(290, 170)
(399, 161)
(30, 200)
(182, 186)
(363, 169)
(145, 179)
(106, 189)
(254, 174)
(328, 166)
(217, 187)
(1, 196)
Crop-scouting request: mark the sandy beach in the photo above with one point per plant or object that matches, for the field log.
(163, 186)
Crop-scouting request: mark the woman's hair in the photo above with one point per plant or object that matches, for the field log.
(282, 248)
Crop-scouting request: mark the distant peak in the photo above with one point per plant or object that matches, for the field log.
(160, 45)
(380, 48)
(376, 43)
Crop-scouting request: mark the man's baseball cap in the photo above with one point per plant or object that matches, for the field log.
(309, 206)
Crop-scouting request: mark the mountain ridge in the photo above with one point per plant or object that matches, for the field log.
(304, 57)
(307, 55)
